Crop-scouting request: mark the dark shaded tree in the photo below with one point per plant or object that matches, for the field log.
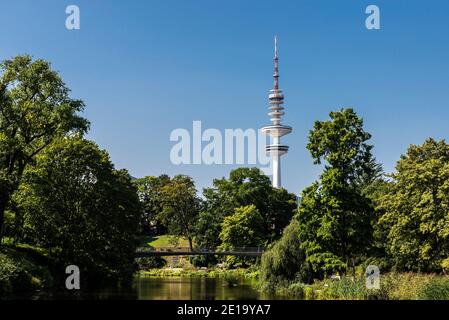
(150, 195)
(81, 209)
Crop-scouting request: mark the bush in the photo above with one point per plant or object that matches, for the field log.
(297, 290)
(13, 276)
(146, 263)
(231, 279)
(435, 289)
(402, 286)
(19, 274)
(284, 263)
(201, 261)
(347, 288)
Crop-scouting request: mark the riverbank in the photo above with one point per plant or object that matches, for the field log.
(24, 269)
(393, 286)
(250, 274)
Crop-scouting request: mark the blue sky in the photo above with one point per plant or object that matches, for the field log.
(145, 68)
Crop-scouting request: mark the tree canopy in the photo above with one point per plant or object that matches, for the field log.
(35, 108)
(150, 194)
(81, 209)
(243, 229)
(244, 187)
(415, 209)
(181, 207)
(335, 216)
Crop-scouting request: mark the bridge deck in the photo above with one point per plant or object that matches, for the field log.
(179, 251)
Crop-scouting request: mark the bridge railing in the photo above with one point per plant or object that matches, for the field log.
(200, 250)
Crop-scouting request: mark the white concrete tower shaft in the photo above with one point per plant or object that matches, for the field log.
(276, 130)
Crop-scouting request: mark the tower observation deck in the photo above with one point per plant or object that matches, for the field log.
(276, 130)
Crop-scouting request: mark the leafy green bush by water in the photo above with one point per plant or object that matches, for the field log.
(231, 279)
(13, 276)
(146, 263)
(284, 263)
(347, 288)
(19, 273)
(201, 261)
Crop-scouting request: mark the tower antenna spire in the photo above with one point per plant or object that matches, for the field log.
(276, 130)
(276, 64)
(275, 46)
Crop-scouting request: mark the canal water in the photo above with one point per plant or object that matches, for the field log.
(170, 288)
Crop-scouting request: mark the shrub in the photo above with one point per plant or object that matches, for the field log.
(297, 290)
(402, 286)
(20, 274)
(13, 276)
(284, 263)
(231, 279)
(348, 288)
(203, 261)
(146, 263)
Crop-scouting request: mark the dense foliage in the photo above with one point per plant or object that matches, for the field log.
(23, 270)
(285, 261)
(335, 216)
(181, 207)
(245, 186)
(243, 229)
(35, 108)
(415, 220)
(81, 209)
(61, 194)
(151, 196)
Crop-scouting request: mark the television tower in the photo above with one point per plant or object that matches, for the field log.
(276, 130)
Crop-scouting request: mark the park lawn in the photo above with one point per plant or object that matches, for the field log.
(164, 241)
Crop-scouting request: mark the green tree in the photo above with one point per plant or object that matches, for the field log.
(181, 207)
(245, 186)
(335, 216)
(81, 209)
(285, 261)
(415, 210)
(242, 229)
(207, 227)
(150, 195)
(35, 107)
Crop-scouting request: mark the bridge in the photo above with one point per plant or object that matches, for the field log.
(186, 251)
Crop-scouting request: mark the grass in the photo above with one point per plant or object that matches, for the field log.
(166, 241)
(435, 289)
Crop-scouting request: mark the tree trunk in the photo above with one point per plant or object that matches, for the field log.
(190, 243)
(4, 198)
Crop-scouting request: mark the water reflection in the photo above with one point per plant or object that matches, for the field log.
(164, 288)
(193, 289)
